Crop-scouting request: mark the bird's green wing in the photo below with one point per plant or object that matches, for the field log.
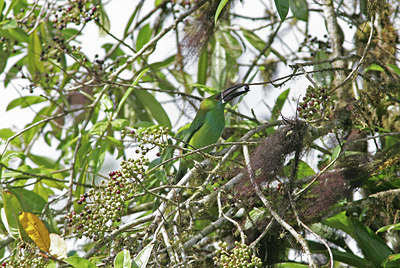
(193, 128)
(195, 125)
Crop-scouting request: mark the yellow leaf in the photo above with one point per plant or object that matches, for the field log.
(58, 247)
(36, 230)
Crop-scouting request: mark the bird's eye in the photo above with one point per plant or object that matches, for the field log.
(246, 87)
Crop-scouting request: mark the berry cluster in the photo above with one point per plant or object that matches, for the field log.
(150, 138)
(76, 12)
(240, 256)
(102, 210)
(24, 255)
(315, 103)
(313, 44)
(7, 45)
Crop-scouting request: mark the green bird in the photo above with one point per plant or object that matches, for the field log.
(209, 122)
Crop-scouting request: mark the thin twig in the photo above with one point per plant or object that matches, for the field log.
(221, 213)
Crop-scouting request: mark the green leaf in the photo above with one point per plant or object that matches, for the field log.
(324, 78)
(255, 216)
(6, 133)
(80, 262)
(119, 124)
(202, 67)
(280, 101)
(25, 101)
(153, 107)
(129, 91)
(144, 255)
(34, 52)
(29, 200)
(3, 60)
(229, 43)
(344, 257)
(336, 152)
(10, 213)
(394, 68)
(303, 169)
(255, 41)
(221, 6)
(391, 227)
(373, 247)
(11, 24)
(12, 5)
(123, 259)
(373, 67)
(96, 159)
(218, 75)
(99, 128)
(43, 161)
(392, 260)
(129, 23)
(162, 64)
(299, 9)
(144, 36)
(283, 8)
(104, 22)
(83, 152)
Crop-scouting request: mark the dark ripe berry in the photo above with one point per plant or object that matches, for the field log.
(118, 220)
(358, 131)
(69, 220)
(79, 202)
(81, 214)
(158, 154)
(118, 191)
(299, 109)
(304, 98)
(85, 195)
(322, 90)
(89, 211)
(83, 199)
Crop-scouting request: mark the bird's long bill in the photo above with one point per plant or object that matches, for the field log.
(231, 92)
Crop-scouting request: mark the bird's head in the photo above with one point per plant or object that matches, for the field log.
(232, 92)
